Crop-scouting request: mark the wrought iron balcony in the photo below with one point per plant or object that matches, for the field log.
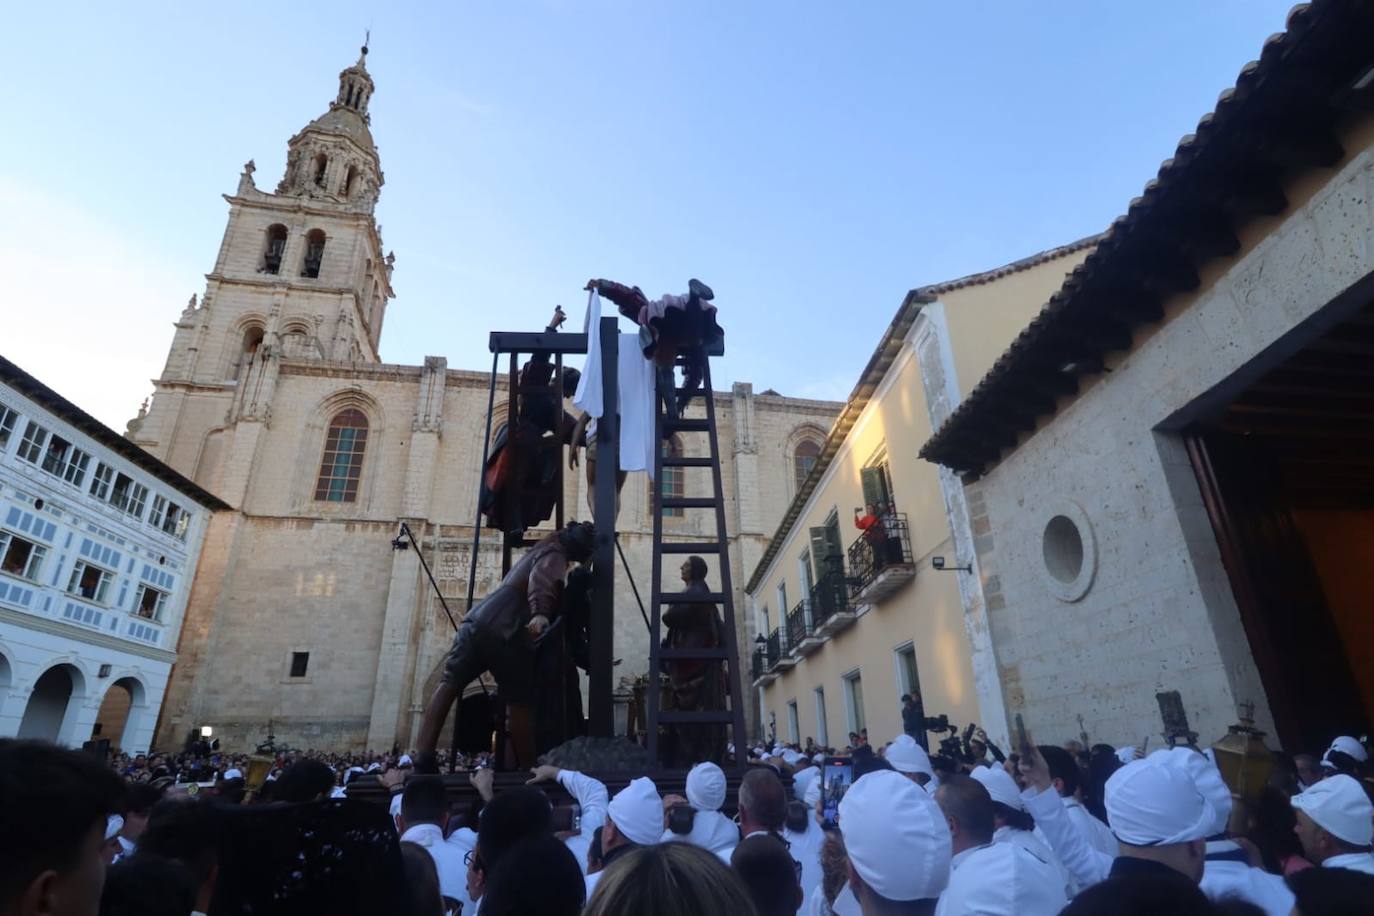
(830, 607)
(762, 674)
(880, 561)
(779, 654)
(801, 631)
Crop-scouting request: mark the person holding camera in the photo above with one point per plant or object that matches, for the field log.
(698, 820)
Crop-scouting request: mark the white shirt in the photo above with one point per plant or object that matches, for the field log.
(1355, 861)
(712, 831)
(1097, 833)
(592, 797)
(1001, 878)
(806, 849)
(448, 858)
(1035, 843)
(1231, 878)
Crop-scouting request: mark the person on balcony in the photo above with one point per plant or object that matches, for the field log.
(698, 685)
(869, 520)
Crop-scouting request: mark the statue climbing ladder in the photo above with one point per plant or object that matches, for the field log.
(733, 714)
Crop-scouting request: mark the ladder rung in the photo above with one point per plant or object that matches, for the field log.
(670, 462)
(692, 598)
(693, 655)
(687, 502)
(697, 717)
(691, 426)
(691, 547)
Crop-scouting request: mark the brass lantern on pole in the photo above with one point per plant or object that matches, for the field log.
(259, 766)
(1245, 764)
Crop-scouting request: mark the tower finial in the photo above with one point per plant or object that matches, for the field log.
(367, 40)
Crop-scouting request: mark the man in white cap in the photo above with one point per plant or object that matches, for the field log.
(633, 818)
(710, 829)
(910, 759)
(592, 799)
(987, 877)
(1336, 824)
(1013, 824)
(1227, 871)
(897, 843)
(1344, 755)
(1159, 817)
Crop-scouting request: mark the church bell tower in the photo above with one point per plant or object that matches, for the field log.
(301, 275)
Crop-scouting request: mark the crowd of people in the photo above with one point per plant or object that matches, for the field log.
(1049, 829)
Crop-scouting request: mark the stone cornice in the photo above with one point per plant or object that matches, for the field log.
(93, 637)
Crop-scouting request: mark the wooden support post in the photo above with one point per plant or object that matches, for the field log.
(601, 721)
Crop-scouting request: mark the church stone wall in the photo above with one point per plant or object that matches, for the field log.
(1157, 613)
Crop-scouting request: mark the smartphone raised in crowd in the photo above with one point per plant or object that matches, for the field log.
(837, 774)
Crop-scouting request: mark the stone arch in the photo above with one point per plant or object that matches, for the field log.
(295, 337)
(245, 342)
(807, 440)
(123, 712)
(54, 703)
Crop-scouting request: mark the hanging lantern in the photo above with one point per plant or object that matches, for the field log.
(1245, 764)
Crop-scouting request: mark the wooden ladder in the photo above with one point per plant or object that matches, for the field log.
(733, 715)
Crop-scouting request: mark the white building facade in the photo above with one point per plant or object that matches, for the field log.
(98, 548)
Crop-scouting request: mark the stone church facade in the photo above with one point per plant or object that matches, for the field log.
(302, 619)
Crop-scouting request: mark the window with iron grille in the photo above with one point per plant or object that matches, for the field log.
(342, 465)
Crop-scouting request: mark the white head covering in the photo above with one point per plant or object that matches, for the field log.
(706, 787)
(1208, 780)
(404, 761)
(637, 812)
(350, 773)
(233, 773)
(1348, 746)
(818, 758)
(374, 767)
(1000, 786)
(906, 756)
(1155, 801)
(1127, 754)
(1339, 806)
(113, 824)
(803, 779)
(790, 757)
(896, 837)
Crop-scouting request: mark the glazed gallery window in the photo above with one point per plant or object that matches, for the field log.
(90, 582)
(65, 460)
(20, 557)
(342, 465)
(150, 603)
(8, 417)
(31, 446)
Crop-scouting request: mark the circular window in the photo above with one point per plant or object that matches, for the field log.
(1063, 549)
(1069, 553)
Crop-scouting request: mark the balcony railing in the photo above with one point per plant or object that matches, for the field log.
(830, 607)
(801, 630)
(880, 561)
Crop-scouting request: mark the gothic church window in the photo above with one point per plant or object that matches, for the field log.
(350, 180)
(314, 253)
(321, 166)
(276, 246)
(342, 465)
(804, 458)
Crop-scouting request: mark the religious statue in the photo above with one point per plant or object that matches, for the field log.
(520, 480)
(669, 327)
(500, 634)
(697, 685)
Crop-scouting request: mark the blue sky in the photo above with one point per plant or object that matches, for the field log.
(812, 161)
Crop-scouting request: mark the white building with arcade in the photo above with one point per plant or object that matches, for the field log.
(98, 547)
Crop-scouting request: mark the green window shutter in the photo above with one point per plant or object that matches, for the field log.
(875, 487)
